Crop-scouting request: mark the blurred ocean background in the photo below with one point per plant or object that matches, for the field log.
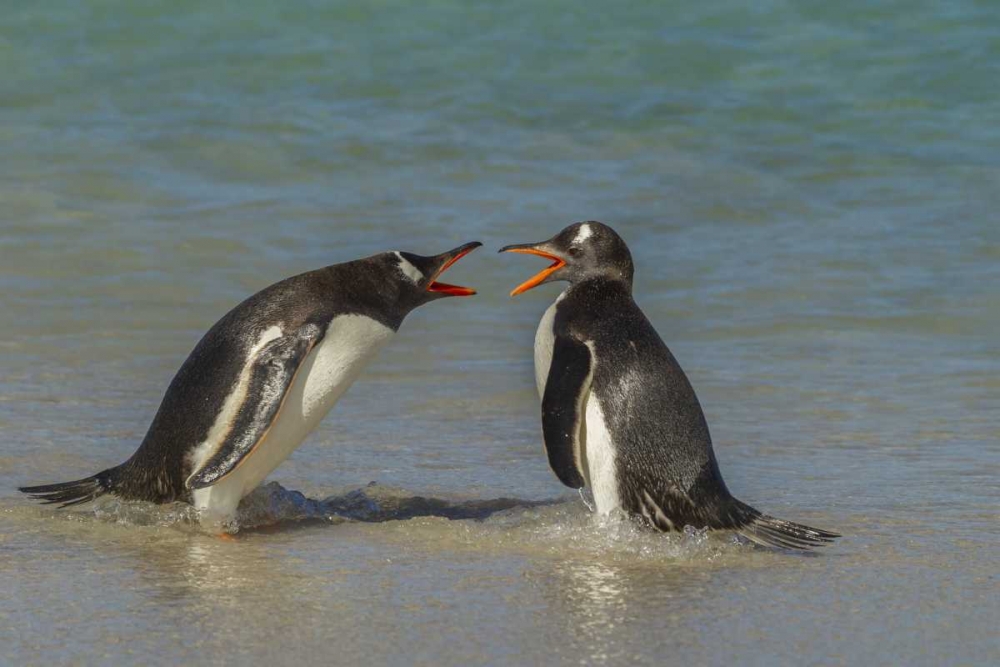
(811, 191)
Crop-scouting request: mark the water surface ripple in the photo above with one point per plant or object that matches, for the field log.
(811, 194)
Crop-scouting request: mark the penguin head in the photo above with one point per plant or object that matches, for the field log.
(418, 274)
(581, 251)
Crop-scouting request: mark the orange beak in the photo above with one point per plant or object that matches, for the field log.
(538, 278)
(445, 288)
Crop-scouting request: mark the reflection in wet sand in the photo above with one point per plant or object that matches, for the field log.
(604, 600)
(597, 595)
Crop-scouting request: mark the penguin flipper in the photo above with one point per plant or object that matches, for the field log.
(563, 402)
(273, 371)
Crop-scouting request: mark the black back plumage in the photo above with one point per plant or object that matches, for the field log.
(664, 446)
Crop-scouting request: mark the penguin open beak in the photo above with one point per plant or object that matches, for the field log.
(541, 276)
(446, 260)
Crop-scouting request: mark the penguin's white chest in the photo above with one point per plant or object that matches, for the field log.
(330, 369)
(544, 342)
(326, 373)
(598, 453)
(349, 344)
(597, 449)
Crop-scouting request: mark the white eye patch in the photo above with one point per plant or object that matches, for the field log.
(410, 271)
(585, 233)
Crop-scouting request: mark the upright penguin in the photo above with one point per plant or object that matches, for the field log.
(618, 413)
(262, 378)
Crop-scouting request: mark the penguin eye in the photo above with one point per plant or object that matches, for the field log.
(575, 251)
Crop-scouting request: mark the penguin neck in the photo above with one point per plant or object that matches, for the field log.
(389, 301)
(601, 283)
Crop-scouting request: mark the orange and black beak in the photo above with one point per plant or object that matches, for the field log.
(542, 250)
(445, 261)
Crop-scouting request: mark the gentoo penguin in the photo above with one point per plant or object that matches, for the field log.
(262, 378)
(618, 414)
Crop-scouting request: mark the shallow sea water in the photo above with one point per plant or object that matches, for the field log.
(810, 192)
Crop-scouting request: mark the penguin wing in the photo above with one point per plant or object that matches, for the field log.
(566, 391)
(272, 372)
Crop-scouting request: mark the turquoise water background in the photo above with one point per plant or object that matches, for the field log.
(811, 193)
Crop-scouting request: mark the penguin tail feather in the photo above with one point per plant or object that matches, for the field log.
(76, 492)
(777, 533)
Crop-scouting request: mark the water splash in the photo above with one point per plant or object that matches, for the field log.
(554, 528)
(570, 529)
(272, 505)
(138, 513)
